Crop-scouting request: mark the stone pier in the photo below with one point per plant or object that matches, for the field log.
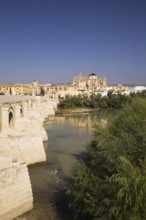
(15, 189)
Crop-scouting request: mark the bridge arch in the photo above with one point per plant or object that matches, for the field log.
(21, 111)
(11, 117)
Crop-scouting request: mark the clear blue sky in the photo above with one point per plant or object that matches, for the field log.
(53, 40)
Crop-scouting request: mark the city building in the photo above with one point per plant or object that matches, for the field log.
(88, 83)
(80, 84)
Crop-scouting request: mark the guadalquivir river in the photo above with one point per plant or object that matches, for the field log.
(67, 137)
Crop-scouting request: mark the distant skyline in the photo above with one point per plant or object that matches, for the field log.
(53, 40)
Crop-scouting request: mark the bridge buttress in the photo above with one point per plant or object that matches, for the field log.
(4, 119)
(24, 109)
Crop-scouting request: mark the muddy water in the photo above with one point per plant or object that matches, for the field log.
(68, 136)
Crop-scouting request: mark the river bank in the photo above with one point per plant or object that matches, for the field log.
(70, 111)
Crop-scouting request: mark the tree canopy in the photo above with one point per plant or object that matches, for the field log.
(111, 101)
(110, 184)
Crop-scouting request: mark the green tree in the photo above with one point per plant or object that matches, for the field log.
(111, 183)
(129, 201)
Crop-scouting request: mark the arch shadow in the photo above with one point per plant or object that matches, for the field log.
(11, 117)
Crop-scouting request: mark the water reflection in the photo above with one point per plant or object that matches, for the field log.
(81, 121)
(67, 137)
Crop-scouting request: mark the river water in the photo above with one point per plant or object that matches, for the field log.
(67, 137)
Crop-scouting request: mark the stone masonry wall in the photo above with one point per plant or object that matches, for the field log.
(15, 189)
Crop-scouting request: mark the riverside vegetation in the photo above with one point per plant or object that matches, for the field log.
(96, 101)
(110, 182)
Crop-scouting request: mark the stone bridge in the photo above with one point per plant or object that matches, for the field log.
(14, 107)
(21, 143)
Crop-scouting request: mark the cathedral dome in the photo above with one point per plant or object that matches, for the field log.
(92, 74)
